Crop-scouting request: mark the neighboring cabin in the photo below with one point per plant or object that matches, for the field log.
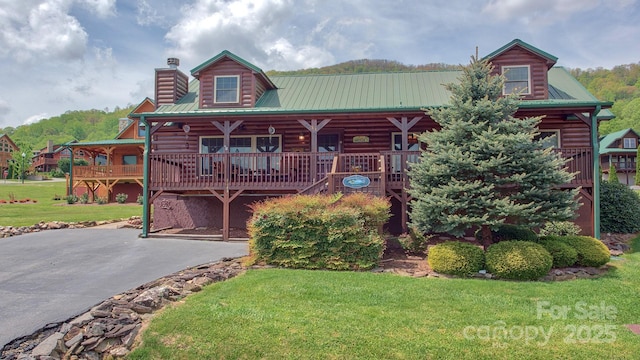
(233, 135)
(119, 169)
(619, 149)
(7, 147)
(46, 159)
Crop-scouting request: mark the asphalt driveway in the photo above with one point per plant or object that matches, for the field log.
(51, 276)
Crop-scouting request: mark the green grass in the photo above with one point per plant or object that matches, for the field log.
(297, 314)
(47, 209)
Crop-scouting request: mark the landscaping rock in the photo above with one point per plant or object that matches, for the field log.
(9, 231)
(49, 346)
(110, 328)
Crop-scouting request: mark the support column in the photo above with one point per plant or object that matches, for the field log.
(146, 209)
(314, 128)
(596, 170)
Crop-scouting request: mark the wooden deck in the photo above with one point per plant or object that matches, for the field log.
(295, 172)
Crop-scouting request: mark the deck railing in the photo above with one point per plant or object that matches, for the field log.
(368, 165)
(580, 162)
(238, 170)
(288, 171)
(107, 171)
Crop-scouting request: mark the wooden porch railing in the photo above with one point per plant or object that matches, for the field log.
(298, 171)
(580, 162)
(285, 171)
(369, 165)
(107, 172)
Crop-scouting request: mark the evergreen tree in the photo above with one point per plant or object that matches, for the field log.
(613, 175)
(484, 168)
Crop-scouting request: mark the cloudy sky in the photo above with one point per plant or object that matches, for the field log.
(59, 55)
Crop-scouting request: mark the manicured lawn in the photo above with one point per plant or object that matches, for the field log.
(295, 314)
(47, 209)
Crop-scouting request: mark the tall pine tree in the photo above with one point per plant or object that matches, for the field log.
(483, 167)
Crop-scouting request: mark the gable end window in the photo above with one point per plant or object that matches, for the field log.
(630, 143)
(226, 89)
(517, 80)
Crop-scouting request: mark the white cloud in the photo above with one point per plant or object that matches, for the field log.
(4, 107)
(254, 30)
(102, 8)
(544, 12)
(147, 14)
(35, 118)
(40, 29)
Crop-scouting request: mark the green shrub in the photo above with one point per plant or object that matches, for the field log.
(456, 258)
(84, 198)
(318, 232)
(518, 260)
(563, 254)
(506, 232)
(414, 243)
(71, 199)
(121, 198)
(101, 200)
(56, 173)
(619, 209)
(560, 228)
(613, 175)
(140, 199)
(591, 251)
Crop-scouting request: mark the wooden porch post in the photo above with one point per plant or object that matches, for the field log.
(314, 128)
(404, 125)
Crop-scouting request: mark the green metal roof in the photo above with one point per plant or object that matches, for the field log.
(372, 93)
(609, 139)
(110, 142)
(518, 42)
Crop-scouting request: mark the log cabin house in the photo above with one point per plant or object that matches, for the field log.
(233, 135)
(115, 165)
(619, 149)
(7, 147)
(46, 159)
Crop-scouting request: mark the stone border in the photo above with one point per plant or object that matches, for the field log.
(110, 328)
(9, 231)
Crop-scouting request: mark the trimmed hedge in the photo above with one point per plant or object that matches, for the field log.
(456, 258)
(619, 209)
(591, 251)
(506, 232)
(563, 254)
(319, 232)
(518, 260)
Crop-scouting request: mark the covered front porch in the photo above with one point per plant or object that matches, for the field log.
(230, 176)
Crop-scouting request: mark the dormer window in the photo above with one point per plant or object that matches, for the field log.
(517, 80)
(629, 143)
(226, 89)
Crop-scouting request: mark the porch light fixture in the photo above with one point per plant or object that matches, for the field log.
(301, 137)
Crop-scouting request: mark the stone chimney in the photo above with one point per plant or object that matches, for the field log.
(49, 146)
(171, 83)
(123, 123)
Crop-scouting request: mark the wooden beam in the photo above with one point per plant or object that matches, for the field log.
(314, 128)
(156, 127)
(404, 125)
(226, 129)
(584, 119)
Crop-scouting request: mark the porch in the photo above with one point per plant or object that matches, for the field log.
(101, 180)
(300, 172)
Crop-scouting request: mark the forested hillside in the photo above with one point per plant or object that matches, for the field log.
(366, 66)
(81, 125)
(620, 85)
